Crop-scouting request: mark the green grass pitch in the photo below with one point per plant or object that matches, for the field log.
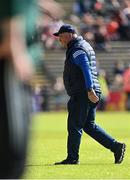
(48, 145)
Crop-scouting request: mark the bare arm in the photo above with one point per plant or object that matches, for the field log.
(20, 57)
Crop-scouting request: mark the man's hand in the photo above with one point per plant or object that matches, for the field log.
(92, 96)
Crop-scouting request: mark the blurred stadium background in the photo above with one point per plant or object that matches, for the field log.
(106, 25)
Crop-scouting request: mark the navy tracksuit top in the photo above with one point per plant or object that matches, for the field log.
(80, 73)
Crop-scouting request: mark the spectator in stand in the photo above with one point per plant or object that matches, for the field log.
(87, 27)
(59, 92)
(117, 84)
(45, 93)
(116, 96)
(112, 29)
(37, 98)
(126, 86)
(105, 90)
(81, 7)
(122, 17)
(100, 39)
(126, 20)
(112, 6)
(116, 22)
(119, 68)
(100, 34)
(99, 7)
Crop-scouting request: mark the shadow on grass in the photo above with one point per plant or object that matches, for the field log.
(82, 164)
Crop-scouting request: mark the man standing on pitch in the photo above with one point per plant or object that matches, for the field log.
(81, 83)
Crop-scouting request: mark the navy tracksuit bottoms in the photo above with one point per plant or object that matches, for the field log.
(81, 118)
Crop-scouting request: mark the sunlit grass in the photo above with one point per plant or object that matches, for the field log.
(48, 145)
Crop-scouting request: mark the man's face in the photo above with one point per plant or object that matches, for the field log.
(64, 39)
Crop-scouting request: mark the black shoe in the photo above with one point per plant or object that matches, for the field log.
(119, 154)
(67, 161)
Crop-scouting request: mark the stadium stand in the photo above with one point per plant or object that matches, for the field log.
(53, 63)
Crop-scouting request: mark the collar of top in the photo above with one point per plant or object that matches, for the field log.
(73, 41)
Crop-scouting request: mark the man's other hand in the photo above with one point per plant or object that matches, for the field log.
(92, 96)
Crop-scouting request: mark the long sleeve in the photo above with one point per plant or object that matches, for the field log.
(80, 58)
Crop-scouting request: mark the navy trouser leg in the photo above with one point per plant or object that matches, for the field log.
(74, 128)
(82, 117)
(95, 131)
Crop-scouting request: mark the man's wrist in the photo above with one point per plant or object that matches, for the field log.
(89, 89)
